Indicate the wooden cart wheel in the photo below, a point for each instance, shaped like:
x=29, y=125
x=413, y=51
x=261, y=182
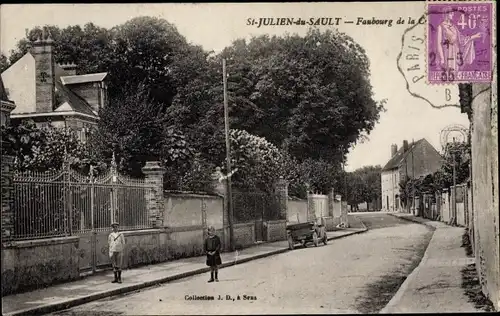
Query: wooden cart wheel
x=291, y=245
x=315, y=239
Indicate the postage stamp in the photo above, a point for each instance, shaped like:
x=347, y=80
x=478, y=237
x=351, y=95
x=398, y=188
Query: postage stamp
x=459, y=42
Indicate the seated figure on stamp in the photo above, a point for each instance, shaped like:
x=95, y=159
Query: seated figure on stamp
x=455, y=50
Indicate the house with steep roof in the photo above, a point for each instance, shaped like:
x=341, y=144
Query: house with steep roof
x=414, y=160
x=50, y=93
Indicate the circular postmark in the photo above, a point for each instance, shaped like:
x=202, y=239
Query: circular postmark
x=454, y=133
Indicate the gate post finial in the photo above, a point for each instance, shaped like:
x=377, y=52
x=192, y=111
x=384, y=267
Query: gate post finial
x=113, y=162
x=65, y=163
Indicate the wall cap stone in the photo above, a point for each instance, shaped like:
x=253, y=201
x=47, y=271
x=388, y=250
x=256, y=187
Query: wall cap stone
x=250, y=224
x=188, y=195
x=321, y=196
x=127, y=233
x=276, y=221
x=40, y=242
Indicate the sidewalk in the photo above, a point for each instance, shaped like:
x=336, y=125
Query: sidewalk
x=435, y=285
x=95, y=287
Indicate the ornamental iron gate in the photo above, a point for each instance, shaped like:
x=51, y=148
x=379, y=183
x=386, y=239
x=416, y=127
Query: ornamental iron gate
x=67, y=203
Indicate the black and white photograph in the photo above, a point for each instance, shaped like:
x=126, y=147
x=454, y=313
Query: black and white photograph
x=249, y=158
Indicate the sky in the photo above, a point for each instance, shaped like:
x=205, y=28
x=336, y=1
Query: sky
x=215, y=26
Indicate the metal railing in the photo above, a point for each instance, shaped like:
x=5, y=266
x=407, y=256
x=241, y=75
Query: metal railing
x=255, y=206
x=64, y=203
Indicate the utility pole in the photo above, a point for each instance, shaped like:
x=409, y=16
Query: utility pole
x=228, y=159
x=454, y=218
x=413, y=176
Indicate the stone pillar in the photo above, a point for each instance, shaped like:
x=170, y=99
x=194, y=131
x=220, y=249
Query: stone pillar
x=7, y=190
x=155, y=200
x=282, y=195
x=343, y=214
x=7, y=169
x=331, y=203
x=311, y=209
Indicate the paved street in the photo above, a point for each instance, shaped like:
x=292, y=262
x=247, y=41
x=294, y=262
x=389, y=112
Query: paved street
x=356, y=274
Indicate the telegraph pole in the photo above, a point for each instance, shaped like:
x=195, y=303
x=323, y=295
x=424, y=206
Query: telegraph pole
x=413, y=180
x=228, y=160
x=454, y=218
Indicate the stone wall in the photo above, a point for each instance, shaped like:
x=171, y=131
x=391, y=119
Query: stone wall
x=297, y=211
x=32, y=264
x=320, y=205
x=331, y=223
x=185, y=243
x=484, y=145
x=276, y=230
x=244, y=235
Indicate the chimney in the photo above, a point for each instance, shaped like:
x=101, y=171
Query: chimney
x=405, y=145
x=42, y=51
x=69, y=69
x=394, y=150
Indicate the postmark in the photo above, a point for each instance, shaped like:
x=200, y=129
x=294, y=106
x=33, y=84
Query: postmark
x=411, y=63
x=459, y=42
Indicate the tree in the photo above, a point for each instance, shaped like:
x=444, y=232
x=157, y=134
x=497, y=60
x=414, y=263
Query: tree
x=311, y=100
x=320, y=175
x=89, y=48
x=134, y=129
x=4, y=63
x=364, y=185
x=257, y=164
x=143, y=50
x=458, y=155
x=356, y=189
x=46, y=148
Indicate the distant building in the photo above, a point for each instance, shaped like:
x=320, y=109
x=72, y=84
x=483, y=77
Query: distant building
x=51, y=93
x=414, y=160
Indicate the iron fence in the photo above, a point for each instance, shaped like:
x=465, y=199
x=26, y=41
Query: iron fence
x=250, y=206
x=62, y=203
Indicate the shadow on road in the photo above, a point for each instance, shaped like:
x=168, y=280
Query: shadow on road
x=86, y=313
x=470, y=281
x=377, y=220
x=378, y=294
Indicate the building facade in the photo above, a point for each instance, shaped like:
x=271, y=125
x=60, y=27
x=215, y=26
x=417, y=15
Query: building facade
x=50, y=93
x=414, y=160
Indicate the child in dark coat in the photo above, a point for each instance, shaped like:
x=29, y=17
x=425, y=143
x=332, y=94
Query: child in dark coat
x=212, y=248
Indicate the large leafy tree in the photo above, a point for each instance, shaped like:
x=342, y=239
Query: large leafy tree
x=134, y=129
x=257, y=163
x=89, y=47
x=309, y=95
x=143, y=50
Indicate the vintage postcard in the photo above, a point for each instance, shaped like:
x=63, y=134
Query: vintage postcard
x=249, y=158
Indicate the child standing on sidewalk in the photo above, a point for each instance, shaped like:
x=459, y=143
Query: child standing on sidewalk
x=212, y=248
x=116, y=242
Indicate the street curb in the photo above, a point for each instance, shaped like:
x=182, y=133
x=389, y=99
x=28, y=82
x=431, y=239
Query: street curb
x=413, y=221
x=412, y=276
x=131, y=288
